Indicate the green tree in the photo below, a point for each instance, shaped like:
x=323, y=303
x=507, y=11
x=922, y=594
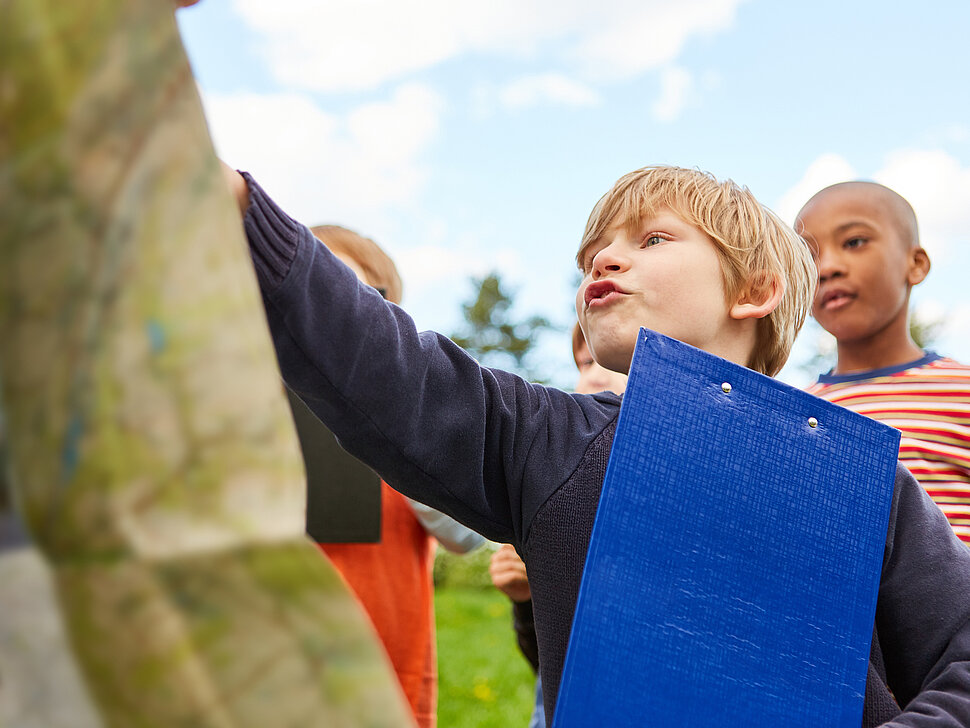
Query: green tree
x=924, y=331
x=493, y=336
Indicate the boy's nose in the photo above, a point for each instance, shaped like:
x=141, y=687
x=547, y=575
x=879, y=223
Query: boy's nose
x=608, y=260
x=830, y=265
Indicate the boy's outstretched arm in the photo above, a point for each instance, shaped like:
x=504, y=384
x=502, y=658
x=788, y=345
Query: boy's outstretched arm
x=472, y=442
x=923, y=612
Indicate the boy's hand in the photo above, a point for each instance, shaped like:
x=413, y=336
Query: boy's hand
x=236, y=184
x=508, y=574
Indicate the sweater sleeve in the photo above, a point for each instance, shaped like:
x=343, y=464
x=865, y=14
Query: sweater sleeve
x=923, y=613
x=481, y=445
x=446, y=530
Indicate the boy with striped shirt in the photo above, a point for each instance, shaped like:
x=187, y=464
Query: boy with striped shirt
x=865, y=241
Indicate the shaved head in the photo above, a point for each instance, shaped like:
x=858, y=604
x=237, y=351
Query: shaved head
x=865, y=243
x=890, y=206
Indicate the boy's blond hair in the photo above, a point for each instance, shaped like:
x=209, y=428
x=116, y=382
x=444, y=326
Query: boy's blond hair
x=753, y=244
x=377, y=265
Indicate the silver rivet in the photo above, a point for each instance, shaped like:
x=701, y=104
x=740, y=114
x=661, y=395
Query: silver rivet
x=812, y=422
x=726, y=387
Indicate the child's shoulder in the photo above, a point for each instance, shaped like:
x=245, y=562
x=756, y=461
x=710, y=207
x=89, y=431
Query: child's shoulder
x=930, y=368
x=947, y=367
x=937, y=373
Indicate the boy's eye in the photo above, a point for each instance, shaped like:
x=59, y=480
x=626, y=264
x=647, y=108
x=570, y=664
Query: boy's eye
x=652, y=239
x=854, y=243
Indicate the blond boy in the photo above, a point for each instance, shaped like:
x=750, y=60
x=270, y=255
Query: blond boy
x=667, y=248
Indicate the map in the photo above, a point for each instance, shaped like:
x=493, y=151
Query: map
x=153, y=454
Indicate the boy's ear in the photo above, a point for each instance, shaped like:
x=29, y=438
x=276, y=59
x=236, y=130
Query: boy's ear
x=919, y=266
x=759, y=297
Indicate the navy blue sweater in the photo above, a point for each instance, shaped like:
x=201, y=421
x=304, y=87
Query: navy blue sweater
x=524, y=464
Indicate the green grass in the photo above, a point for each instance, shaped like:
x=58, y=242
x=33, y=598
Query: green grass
x=484, y=681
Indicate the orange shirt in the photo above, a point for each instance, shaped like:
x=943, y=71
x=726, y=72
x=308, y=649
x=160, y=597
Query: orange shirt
x=393, y=581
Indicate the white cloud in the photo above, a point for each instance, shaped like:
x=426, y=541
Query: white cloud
x=543, y=88
x=675, y=88
x=425, y=265
x=437, y=278
x=953, y=336
x=936, y=184
x=629, y=37
x=326, y=167
x=828, y=169
x=359, y=44
x=938, y=188
x=412, y=113
x=955, y=340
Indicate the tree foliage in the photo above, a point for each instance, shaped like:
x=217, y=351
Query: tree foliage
x=492, y=334
x=924, y=331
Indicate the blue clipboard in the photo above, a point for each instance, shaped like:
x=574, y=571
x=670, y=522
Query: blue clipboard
x=734, y=565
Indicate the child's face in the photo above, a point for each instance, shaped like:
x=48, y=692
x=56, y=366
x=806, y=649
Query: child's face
x=352, y=263
x=864, y=262
x=665, y=276
x=593, y=378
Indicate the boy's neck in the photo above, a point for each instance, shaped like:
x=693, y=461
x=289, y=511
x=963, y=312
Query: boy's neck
x=889, y=346
x=875, y=353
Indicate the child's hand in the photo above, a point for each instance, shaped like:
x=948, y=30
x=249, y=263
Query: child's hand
x=236, y=183
x=508, y=574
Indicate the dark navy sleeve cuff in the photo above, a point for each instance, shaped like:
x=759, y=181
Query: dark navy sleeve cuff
x=273, y=236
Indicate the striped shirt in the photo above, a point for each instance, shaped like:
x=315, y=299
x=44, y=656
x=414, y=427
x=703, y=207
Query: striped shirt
x=928, y=401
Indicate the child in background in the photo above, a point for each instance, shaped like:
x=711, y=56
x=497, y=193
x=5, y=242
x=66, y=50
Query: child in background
x=393, y=578
x=671, y=249
x=865, y=241
x=506, y=568
x=592, y=377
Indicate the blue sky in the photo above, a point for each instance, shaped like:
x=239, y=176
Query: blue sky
x=467, y=138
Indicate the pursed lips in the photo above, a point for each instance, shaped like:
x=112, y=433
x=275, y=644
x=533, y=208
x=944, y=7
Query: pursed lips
x=835, y=298
x=601, y=292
